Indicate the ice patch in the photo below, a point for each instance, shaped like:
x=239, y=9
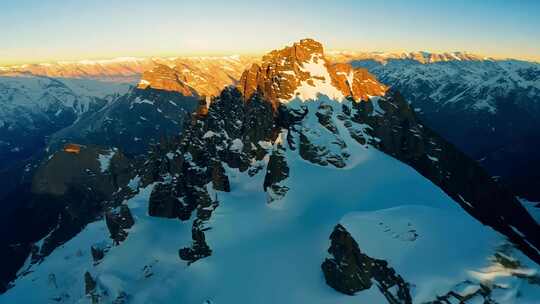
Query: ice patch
x=105, y=160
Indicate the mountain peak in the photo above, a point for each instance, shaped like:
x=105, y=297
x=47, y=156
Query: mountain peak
x=303, y=71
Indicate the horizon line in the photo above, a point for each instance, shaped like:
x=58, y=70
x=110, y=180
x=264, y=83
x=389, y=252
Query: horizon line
x=218, y=54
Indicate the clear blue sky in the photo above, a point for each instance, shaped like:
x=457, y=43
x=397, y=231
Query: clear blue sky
x=39, y=30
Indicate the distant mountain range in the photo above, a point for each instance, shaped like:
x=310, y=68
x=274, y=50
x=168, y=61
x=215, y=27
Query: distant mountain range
x=489, y=108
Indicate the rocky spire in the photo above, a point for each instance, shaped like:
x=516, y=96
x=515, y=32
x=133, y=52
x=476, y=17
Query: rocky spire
x=302, y=71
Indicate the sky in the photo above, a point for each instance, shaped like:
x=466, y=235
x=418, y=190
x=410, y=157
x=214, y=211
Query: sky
x=52, y=30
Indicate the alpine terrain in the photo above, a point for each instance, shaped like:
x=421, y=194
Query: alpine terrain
x=489, y=108
x=300, y=180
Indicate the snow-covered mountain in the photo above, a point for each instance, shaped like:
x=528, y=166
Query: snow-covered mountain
x=309, y=182
x=489, y=108
x=32, y=108
x=40, y=99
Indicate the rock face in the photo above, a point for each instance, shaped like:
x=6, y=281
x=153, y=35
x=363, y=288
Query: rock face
x=276, y=172
x=355, y=82
x=68, y=191
x=118, y=220
x=89, y=284
x=98, y=253
x=297, y=70
x=348, y=270
x=220, y=181
x=163, y=202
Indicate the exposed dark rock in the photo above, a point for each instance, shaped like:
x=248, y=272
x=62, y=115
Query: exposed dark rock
x=118, y=221
x=220, y=181
x=324, y=115
x=90, y=284
x=199, y=248
x=276, y=172
x=163, y=202
x=122, y=298
x=70, y=190
x=349, y=271
x=281, y=73
x=98, y=253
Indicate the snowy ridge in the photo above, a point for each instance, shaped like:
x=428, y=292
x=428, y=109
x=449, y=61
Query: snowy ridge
x=394, y=214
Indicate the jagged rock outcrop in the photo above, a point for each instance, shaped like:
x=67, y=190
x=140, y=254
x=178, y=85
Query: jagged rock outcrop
x=118, y=220
x=276, y=172
x=163, y=202
x=302, y=68
x=355, y=82
x=90, y=288
x=199, y=248
x=220, y=181
x=349, y=271
x=89, y=284
x=97, y=252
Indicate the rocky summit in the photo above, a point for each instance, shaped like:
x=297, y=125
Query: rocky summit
x=302, y=71
x=306, y=182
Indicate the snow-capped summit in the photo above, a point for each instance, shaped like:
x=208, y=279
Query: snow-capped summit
x=302, y=71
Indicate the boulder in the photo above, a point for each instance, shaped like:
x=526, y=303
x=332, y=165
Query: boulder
x=349, y=271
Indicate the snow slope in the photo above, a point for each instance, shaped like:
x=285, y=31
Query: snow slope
x=271, y=252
